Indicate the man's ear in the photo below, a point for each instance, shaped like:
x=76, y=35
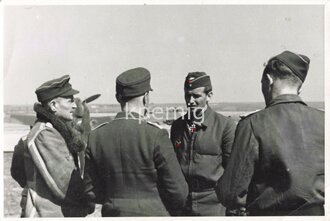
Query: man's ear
x=209, y=96
x=146, y=98
x=119, y=98
x=300, y=89
x=52, y=105
x=270, y=79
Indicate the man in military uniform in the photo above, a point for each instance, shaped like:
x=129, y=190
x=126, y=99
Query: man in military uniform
x=46, y=163
x=202, y=140
x=277, y=163
x=131, y=167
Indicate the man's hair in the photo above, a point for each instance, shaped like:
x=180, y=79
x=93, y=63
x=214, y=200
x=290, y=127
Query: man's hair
x=45, y=104
x=124, y=99
x=279, y=70
x=207, y=89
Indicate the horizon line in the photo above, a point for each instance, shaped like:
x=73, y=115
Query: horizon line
x=230, y=102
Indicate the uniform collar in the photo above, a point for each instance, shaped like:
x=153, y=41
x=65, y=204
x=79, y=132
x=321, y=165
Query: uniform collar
x=286, y=98
x=208, y=119
x=129, y=115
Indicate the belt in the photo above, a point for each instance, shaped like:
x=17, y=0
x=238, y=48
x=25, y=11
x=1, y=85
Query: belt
x=200, y=186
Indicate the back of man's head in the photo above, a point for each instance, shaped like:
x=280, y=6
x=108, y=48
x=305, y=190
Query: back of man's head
x=280, y=71
x=132, y=84
x=288, y=67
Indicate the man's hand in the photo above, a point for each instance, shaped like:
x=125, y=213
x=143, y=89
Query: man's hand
x=90, y=202
x=237, y=212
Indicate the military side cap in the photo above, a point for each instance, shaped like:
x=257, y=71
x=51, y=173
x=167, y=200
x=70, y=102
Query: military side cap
x=59, y=87
x=133, y=82
x=297, y=63
x=197, y=79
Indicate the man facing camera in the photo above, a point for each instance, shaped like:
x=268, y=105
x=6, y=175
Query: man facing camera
x=202, y=141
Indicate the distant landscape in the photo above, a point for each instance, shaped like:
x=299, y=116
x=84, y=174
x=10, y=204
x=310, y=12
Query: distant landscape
x=18, y=118
x=224, y=107
x=113, y=108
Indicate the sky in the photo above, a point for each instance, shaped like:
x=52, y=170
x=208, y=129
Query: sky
x=94, y=44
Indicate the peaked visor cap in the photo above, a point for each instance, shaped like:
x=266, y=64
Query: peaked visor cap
x=59, y=87
x=133, y=82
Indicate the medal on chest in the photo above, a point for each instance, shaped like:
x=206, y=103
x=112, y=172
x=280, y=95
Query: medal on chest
x=178, y=144
x=192, y=128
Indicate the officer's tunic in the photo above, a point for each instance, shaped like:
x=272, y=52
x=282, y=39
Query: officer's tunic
x=132, y=170
x=202, y=156
x=278, y=161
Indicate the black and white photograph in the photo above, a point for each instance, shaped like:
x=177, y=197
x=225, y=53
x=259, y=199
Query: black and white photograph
x=164, y=110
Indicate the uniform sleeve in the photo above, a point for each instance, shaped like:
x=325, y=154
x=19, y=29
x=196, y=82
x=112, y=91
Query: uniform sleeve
x=173, y=132
x=17, y=164
x=56, y=165
x=233, y=185
x=172, y=184
x=227, y=141
x=93, y=182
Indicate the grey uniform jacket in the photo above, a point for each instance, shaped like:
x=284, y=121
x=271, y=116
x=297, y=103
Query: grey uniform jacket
x=132, y=170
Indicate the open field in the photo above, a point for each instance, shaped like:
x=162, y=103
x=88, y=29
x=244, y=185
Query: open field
x=12, y=191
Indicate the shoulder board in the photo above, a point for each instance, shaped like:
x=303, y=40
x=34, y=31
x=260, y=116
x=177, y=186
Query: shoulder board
x=245, y=115
x=41, y=126
x=155, y=125
x=36, y=130
x=101, y=125
x=24, y=138
x=48, y=124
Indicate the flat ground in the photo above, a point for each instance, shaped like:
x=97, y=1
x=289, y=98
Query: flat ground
x=12, y=191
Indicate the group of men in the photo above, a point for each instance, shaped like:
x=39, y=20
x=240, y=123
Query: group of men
x=272, y=163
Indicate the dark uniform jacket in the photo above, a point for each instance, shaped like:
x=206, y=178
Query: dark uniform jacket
x=132, y=170
x=203, y=156
x=278, y=161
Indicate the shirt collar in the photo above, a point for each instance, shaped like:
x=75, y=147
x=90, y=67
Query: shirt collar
x=129, y=115
x=208, y=117
x=207, y=120
x=286, y=98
